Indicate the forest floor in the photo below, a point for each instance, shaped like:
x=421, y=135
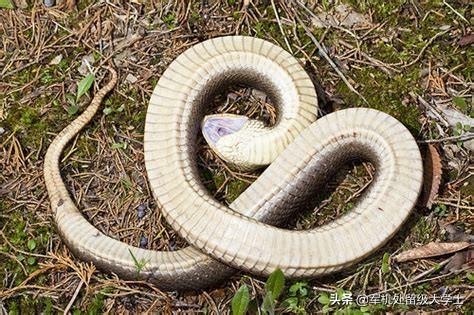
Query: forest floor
x=411, y=59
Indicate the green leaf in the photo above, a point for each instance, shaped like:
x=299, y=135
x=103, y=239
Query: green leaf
x=340, y=293
x=292, y=302
x=31, y=244
x=6, y=4
x=275, y=283
x=325, y=309
x=31, y=261
x=138, y=264
x=120, y=109
x=72, y=110
x=84, y=86
x=119, y=145
x=460, y=103
x=268, y=305
x=385, y=263
x=470, y=277
x=240, y=301
x=108, y=110
x=324, y=299
x=299, y=287
x=70, y=99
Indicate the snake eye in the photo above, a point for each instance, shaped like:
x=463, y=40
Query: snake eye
x=215, y=127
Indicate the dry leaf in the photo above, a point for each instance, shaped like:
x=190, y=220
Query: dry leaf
x=457, y=234
x=342, y=15
x=431, y=250
x=466, y=40
x=432, y=172
x=461, y=260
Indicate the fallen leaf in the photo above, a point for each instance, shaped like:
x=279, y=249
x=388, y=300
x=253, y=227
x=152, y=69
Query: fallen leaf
x=56, y=60
x=466, y=40
x=454, y=116
x=131, y=78
x=86, y=60
x=432, y=249
x=461, y=260
x=432, y=171
x=457, y=234
x=342, y=15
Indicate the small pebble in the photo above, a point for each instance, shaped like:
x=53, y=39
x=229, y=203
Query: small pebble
x=141, y=211
x=131, y=78
x=143, y=241
x=49, y=3
x=2, y=131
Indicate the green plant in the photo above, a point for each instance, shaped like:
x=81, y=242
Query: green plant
x=83, y=86
x=240, y=301
x=440, y=210
x=119, y=145
x=170, y=20
x=6, y=4
x=297, y=298
x=139, y=265
x=460, y=103
x=273, y=287
x=110, y=110
x=386, y=263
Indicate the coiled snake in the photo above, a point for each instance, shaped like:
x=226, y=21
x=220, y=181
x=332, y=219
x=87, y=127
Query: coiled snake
x=303, y=153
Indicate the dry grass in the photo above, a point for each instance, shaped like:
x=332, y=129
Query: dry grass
x=398, y=52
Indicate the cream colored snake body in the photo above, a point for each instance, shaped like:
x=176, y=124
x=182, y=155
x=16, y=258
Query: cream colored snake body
x=242, y=236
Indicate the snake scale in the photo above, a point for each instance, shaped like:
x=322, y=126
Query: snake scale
x=302, y=152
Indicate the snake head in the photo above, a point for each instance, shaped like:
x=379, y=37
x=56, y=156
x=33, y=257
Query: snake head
x=227, y=136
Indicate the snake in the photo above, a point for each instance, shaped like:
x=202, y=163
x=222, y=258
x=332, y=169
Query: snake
x=302, y=152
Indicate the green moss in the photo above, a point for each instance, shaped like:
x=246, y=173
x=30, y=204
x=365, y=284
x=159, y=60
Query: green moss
x=234, y=189
x=385, y=93
x=381, y=9
x=28, y=305
x=17, y=231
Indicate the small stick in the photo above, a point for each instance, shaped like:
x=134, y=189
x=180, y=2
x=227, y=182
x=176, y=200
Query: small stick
x=429, y=108
x=281, y=27
x=456, y=12
x=464, y=137
x=424, y=48
x=69, y=305
x=434, y=268
x=329, y=60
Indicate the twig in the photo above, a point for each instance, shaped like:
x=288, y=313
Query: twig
x=69, y=305
x=424, y=48
x=281, y=27
x=456, y=12
x=430, y=108
x=434, y=268
x=463, y=137
x=329, y=60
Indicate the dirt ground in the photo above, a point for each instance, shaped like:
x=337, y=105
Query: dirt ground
x=412, y=59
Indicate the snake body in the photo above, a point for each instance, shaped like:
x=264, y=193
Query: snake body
x=242, y=235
